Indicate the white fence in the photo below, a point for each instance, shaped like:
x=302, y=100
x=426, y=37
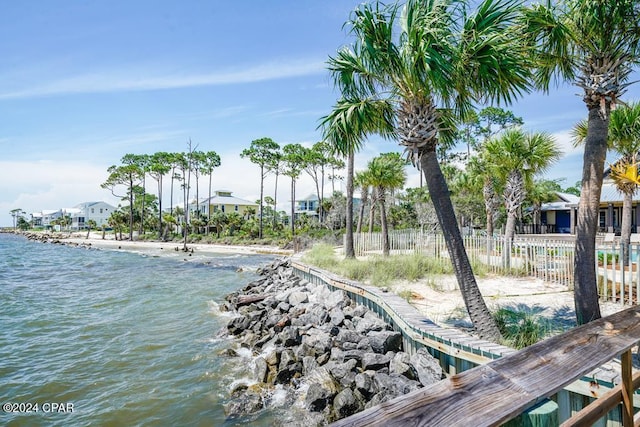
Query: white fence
x=548, y=259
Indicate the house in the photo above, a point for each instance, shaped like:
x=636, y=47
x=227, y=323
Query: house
x=558, y=216
x=224, y=201
x=96, y=211
x=79, y=214
x=307, y=206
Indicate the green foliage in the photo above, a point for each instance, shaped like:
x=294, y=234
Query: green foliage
x=378, y=270
x=520, y=329
x=607, y=258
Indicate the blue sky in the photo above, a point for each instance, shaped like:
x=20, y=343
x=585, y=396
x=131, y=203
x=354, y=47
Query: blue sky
x=83, y=83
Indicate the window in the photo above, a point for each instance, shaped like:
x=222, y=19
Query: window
x=93, y=210
x=101, y=210
x=235, y=208
x=222, y=208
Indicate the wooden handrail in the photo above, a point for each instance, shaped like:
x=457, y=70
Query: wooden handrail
x=599, y=408
x=494, y=393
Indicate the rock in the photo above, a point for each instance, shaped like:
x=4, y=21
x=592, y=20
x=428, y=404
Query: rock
x=284, y=307
x=348, y=336
x=370, y=322
x=322, y=388
x=345, y=403
x=320, y=341
x=426, y=366
x=309, y=364
x=261, y=370
x=335, y=299
x=375, y=361
x=354, y=355
x=237, y=325
x=243, y=404
x=400, y=364
x=297, y=298
x=290, y=336
x=384, y=341
x=364, y=384
x=228, y=352
x=340, y=370
x=337, y=316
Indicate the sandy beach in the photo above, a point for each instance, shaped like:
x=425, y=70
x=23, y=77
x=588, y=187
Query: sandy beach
x=95, y=241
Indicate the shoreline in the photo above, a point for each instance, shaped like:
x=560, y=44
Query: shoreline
x=95, y=241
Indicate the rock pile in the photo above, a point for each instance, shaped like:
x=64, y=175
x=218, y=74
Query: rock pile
x=337, y=358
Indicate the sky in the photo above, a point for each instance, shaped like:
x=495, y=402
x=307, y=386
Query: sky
x=84, y=83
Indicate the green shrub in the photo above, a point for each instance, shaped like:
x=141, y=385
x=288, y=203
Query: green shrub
x=520, y=329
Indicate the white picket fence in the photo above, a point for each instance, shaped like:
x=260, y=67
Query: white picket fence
x=547, y=259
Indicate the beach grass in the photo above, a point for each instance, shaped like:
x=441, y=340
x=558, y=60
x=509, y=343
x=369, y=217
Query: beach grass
x=376, y=269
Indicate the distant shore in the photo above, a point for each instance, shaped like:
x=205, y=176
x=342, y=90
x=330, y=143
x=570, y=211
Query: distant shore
x=95, y=240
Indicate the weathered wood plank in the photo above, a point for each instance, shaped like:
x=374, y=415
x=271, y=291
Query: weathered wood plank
x=494, y=393
x=600, y=407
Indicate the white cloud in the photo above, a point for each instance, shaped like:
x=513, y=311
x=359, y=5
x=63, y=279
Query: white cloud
x=36, y=185
x=136, y=80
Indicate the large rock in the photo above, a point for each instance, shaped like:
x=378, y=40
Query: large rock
x=261, y=370
x=384, y=341
x=322, y=389
x=375, y=361
x=237, y=325
x=426, y=366
x=297, y=298
x=370, y=322
x=243, y=403
x=346, y=403
x=401, y=365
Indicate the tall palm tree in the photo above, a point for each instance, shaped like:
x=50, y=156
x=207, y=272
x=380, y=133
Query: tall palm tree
x=361, y=179
x=593, y=44
x=623, y=137
x=346, y=128
x=444, y=59
x=386, y=173
x=516, y=157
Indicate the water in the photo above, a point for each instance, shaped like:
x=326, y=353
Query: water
x=125, y=338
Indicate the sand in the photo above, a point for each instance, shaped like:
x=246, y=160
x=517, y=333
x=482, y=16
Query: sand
x=95, y=241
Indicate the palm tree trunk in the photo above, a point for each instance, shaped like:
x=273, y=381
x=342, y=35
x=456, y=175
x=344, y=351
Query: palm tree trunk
x=349, y=250
x=383, y=224
x=293, y=207
x=584, y=278
x=372, y=211
x=484, y=324
x=625, y=227
x=363, y=201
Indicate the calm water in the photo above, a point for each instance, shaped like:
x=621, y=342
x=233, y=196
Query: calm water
x=127, y=339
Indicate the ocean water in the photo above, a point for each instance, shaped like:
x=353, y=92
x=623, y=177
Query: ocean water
x=113, y=338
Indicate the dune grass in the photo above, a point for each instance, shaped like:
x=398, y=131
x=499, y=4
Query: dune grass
x=378, y=270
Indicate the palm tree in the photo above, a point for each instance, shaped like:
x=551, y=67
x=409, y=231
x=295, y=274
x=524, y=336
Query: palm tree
x=386, y=172
x=516, y=156
x=345, y=128
x=593, y=44
x=361, y=179
x=623, y=137
x=90, y=224
x=211, y=161
x=444, y=59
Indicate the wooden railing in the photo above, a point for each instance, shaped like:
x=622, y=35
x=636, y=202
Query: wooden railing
x=494, y=393
x=487, y=383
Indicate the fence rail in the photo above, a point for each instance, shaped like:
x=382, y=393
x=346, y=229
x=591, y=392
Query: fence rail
x=544, y=258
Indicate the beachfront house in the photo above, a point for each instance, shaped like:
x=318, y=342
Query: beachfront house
x=307, y=206
x=559, y=215
x=79, y=215
x=223, y=201
x=96, y=211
